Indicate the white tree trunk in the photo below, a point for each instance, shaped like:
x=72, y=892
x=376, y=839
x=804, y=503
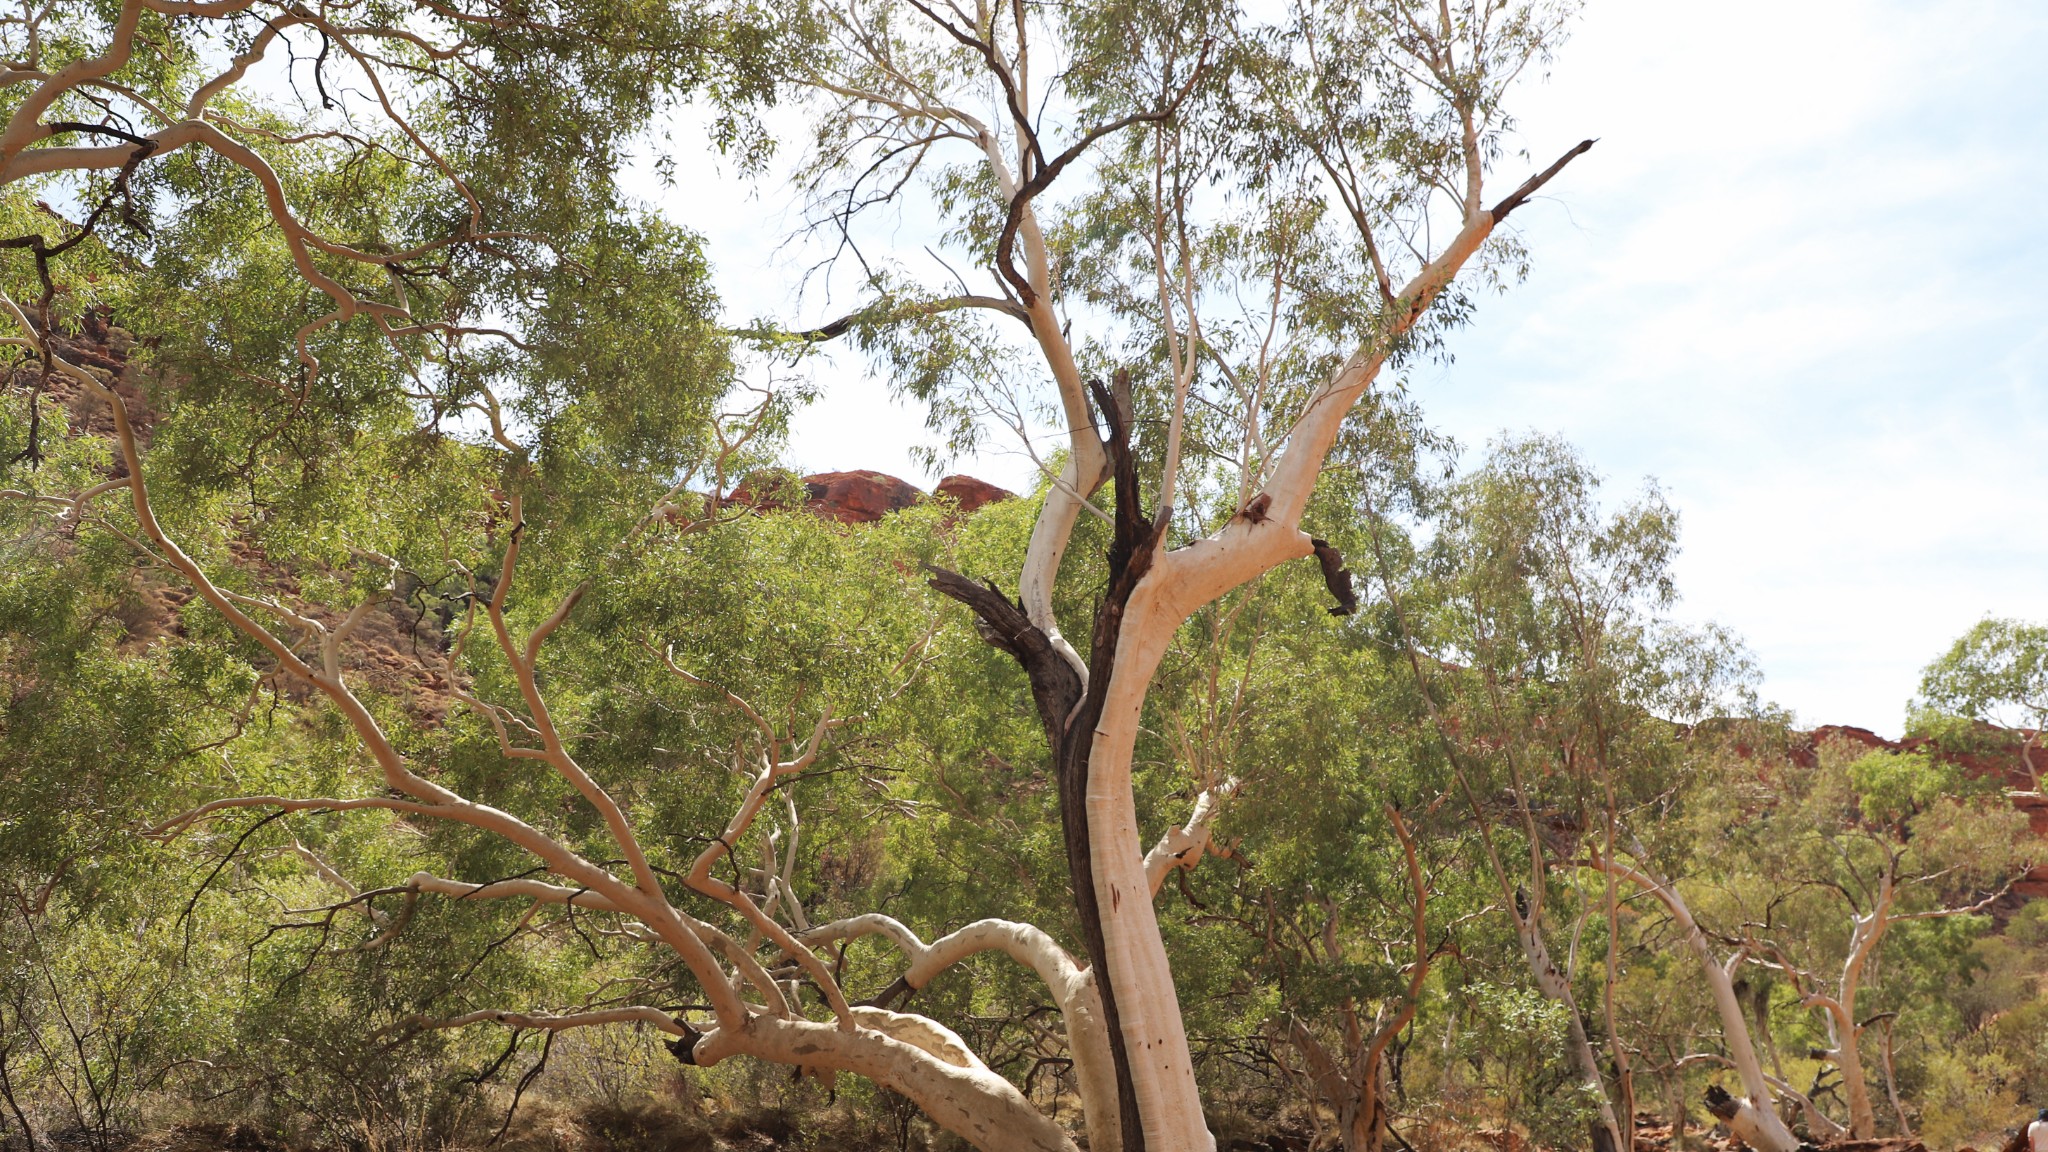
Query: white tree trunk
x=1081, y=475
x=1094, y=1068
x=1148, y=1006
x=1758, y=1127
x=1849, y=1055
x=1863, y=941
x=1554, y=986
x=1767, y=1131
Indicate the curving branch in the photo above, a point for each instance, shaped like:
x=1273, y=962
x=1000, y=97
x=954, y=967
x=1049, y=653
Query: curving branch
x=1073, y=988
x=885, y=311
x=1184, y=847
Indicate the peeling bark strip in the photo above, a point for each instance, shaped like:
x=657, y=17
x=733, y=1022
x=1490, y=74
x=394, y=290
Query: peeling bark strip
x=685, y=1049
x=1133, y=544
x=1336, y=577
x=1068, y=713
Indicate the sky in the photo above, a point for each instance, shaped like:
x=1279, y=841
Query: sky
x=1799, y=283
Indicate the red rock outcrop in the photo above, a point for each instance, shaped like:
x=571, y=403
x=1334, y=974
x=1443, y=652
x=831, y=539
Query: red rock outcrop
x=97, y=343
x=765, y=488
x=858, y=497
x=972, y=494
x=2006, y=767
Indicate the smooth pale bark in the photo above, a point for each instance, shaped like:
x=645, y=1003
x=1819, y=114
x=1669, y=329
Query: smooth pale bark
x=966, y=1099
x=1179, y=583
x=1183, y=847
x=1552, y=983
x=1136, y=622
x=1087, y=464
x=1148, y=1006
x=1073, y=990
x=1766, y=1130
x=1769, y=1132
x=1840, y=1009
x=962, y=1097
x=1094, y=1066
x=917, y=1057
x=925, y=1035
x=1064, y=500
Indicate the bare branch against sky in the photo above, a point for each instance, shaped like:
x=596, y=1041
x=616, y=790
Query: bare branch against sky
x=1794, y=285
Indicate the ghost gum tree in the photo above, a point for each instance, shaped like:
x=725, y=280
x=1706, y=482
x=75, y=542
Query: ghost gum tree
x=1537, y=628
x=1867, y=848
x=1239, y=225
x=421, y=346
x=418, y=265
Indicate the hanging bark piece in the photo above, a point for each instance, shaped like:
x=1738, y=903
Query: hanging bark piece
x=1336, y=577
x=1744, y=1118
x=685, y=1048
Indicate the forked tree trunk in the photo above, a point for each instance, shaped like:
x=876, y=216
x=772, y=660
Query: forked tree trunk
x=1754, y=1118
x=1092, y=726
x=1370, y=1121
x=1868, y=932
x=1356, y=1096
x=1356, y=1089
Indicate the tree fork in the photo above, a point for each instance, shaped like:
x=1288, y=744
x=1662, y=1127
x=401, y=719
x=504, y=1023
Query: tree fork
x=1069, y=714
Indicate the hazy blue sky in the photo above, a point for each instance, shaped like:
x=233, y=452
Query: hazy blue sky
x=1799, y=282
